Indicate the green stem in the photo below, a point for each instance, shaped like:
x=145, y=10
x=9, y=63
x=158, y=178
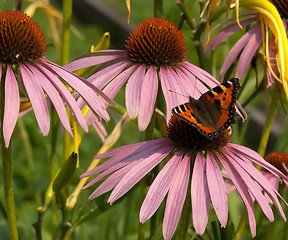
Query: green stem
x=185, y=219
x=238, y=233
x=7, y=169
x=67, y=13
x=158, y=8
x=268, y=123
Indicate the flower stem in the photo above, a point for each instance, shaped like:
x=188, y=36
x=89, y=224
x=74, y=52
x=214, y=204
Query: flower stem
x=67, y=13
x=241, y=225
x=7, y=169
x=158, y=8
x=185, y=219
x=268, y=123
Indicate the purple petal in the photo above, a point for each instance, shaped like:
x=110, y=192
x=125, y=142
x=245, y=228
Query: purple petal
x=176, y=198
x=133, y=91
x=54, y=97
x=200, y=195
x=37, y=98
x=148, y=97
x=217, y=189
x=159, y=187
x=12, y=103
x=243, y=192
x=66, y=95
x=138, y=172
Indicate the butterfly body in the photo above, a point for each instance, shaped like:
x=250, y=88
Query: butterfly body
x=213, y=112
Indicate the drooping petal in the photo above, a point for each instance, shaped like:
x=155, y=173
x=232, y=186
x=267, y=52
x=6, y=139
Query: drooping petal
x=251, y=185
x=117, y=163
x=81, y=86
x=54, y=97
x=148, y=97
x=261, y=180
x=243, y=192
x=200, y=198
x=159, y=187
x=249, y=52
x=256, y=158
x=176, y=198
x=138, y=172
x=37, y=98
x=225, y=33
x=217, y=189
x=12, y=103
x=66, y=95
x=133, y=91
x=84, y=62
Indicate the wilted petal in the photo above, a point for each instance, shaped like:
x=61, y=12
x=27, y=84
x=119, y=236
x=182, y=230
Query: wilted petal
x=200, y=198
x=12, y=103
x=159, y=188
x=148, y=97
x=37, y=98
x=176, y=198
x=217, y=189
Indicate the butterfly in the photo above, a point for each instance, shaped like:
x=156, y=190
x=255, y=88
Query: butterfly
x=214, y=111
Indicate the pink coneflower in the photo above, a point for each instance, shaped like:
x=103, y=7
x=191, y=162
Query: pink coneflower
x=155, y=52
x=22, y=51
x=184, y=149
x=262, y=23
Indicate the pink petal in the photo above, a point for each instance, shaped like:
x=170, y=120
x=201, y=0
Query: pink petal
x=116, y=163
x=225, y=33
x=159, y=187
x=12, y=103
x=80, y=85
x=148, y=97
x=107, y=72
x=200, y=195
x=91, y=61
x=133, y=91
x=243, y=192
x=176, y=198
x=237, y=48
x=138, y=172
x=242, y=170
x=66, y=95
x=217, y=189
x=249, y=52
x=37, y=98
x=54, y=97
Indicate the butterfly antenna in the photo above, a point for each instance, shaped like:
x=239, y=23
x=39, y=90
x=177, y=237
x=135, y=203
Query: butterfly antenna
x=177, y=93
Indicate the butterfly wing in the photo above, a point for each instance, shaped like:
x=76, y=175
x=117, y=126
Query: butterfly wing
x=214, y=111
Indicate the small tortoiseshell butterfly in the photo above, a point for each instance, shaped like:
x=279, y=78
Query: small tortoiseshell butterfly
x=213, y=112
